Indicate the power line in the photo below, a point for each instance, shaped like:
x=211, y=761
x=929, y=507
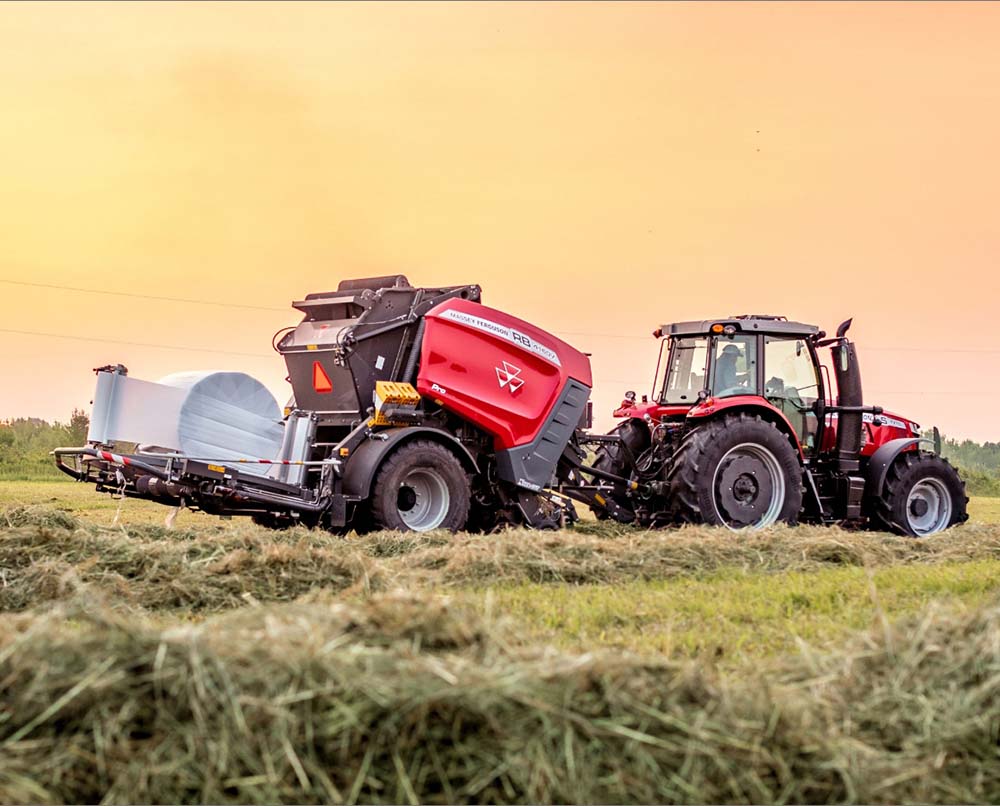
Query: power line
x=649, y=339
x=129, y=343
x=864, y=349
x=578, y=334
x=53, y=286
x=927, y=350
x=190, y=301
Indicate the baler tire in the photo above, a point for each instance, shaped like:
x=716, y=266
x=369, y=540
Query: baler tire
x=706, y=450
x=433, y=477
x=918, y=475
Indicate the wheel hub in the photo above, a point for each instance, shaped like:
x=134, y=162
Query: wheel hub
x=423, y=499
x=928, y=506
x=406, y=499
x=745, y=489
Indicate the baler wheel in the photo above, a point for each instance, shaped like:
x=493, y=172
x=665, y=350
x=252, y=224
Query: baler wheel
x=739, y=471
x=923, y=494
x=421, y=486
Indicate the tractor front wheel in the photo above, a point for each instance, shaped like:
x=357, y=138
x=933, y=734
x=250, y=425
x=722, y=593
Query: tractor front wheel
x=421, y=486
x=923, y=494
x=739, y=472
x=614, y=458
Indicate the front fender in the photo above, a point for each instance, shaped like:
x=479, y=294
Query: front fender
x=363, y=464
x=881, y=461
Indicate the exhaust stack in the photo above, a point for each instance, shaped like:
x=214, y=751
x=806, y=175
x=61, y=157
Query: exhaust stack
x=845, y=367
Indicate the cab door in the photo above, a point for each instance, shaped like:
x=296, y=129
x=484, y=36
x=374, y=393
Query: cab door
x=792, y=385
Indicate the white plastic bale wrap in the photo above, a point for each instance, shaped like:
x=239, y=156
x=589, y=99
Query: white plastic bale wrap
x=210, y=415
x=227, y=415
x=131, y=410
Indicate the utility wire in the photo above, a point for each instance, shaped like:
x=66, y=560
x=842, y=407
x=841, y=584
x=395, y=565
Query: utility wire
x=52, y=286
x=130, y=343
x=579, y=334
x=189, y=301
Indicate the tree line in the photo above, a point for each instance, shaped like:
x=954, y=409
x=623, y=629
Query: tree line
x=25, y=444
x=978, y=463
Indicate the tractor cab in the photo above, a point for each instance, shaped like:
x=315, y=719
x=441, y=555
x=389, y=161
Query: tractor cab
x=721, y=363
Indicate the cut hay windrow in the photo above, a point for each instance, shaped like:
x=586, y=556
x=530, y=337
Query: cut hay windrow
x=191, y=571
x=407, y=698
x=46, y=555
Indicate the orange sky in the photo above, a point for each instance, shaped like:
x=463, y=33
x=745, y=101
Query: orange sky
x=597, y=168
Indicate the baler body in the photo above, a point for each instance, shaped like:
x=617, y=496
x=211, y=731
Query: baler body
x=500, y=396
x=518, y=383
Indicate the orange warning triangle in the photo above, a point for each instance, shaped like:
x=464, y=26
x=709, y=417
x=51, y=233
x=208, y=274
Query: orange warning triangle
x=321, y=381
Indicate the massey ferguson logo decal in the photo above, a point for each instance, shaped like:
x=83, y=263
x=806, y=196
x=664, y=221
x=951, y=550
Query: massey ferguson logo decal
x=509, y=376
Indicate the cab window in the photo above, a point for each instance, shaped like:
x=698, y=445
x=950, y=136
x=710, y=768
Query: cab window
x=791, y=384
x=734, y=366
x=686, y=371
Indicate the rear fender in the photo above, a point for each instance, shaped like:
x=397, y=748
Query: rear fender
x=882, y=459
x=751, y=404
x=363, y=464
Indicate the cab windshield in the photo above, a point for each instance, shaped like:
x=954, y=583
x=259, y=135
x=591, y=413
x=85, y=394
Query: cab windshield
x=685, y=370
x=722, y=366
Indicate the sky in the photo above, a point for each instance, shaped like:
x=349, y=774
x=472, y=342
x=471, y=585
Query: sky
x=597, y=168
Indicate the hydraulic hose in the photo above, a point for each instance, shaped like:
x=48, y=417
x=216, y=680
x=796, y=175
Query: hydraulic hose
x=410, y=370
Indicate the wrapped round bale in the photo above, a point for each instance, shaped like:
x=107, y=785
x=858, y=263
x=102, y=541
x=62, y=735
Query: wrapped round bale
x=226, y=415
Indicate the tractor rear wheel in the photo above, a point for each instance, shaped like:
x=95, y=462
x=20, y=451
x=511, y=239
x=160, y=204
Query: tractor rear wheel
x=923, y=494
x=421, y=486
x=739, y=471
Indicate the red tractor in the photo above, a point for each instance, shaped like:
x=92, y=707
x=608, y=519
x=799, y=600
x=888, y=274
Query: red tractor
x=745, y=429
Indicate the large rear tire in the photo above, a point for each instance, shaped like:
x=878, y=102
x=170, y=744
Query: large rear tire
x=923, y=494
x=738, y=471
x=421, y=486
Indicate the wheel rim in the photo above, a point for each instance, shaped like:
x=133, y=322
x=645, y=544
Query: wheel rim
x=928, y=507
x=748, y=487
x=423, y=499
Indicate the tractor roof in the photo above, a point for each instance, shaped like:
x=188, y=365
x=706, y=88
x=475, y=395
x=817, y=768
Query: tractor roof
x=749, y=323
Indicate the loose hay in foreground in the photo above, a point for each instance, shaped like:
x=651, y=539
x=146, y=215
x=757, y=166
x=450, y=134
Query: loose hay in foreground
x=411, y=698
x=46, y=555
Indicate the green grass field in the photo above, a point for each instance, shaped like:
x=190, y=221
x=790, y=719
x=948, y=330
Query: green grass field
x=596, y=664
x=728, y=614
